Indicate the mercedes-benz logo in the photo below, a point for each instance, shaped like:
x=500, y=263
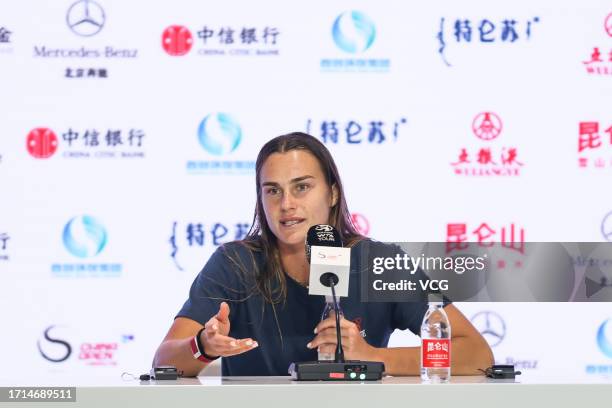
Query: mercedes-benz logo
x=85, y=18
x=606, y=227
x=491, y=326
x=608, y=24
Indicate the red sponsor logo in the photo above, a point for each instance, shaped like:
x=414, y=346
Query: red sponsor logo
x=98, y=353
x=177, y=40
x=436, y=353
x=510, y=237
x=487, y=160
x=41, y=143
x=600, y=60
x=487, y=126
x=599, y=64
x=361, y=223
x=591, y=142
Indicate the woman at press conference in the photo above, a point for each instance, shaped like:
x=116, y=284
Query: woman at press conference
x=250, y=303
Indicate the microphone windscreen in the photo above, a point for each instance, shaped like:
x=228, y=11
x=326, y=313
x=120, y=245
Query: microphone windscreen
x=322, y=235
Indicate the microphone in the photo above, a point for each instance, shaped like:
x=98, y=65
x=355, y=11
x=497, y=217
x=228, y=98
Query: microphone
x=330, y=268
x=324, y=235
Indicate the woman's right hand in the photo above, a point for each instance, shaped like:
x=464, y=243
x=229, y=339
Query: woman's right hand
x=215, y=337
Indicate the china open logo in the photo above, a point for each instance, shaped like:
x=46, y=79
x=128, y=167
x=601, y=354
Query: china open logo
x=608, y=24
x=487, y=126
x=53, y=349
x=41, y=143
x=177, y=40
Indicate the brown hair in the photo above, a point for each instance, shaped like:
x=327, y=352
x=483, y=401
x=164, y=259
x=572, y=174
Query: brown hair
x=270, y=280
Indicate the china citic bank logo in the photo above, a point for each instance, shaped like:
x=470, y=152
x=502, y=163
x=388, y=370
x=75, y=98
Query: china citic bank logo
x=603, y=341
x=353, y=32
x=84, y=236
x=177, y=40
x=85, y=18
x=487, y=126
x=219, y=134
x=41, y=143
x=361, y=223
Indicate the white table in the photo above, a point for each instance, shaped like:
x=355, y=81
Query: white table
x=252, y=392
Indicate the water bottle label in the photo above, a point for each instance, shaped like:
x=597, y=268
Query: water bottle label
x=435, y=353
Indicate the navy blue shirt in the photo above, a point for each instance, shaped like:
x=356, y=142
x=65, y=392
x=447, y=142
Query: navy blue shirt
x=283, y=332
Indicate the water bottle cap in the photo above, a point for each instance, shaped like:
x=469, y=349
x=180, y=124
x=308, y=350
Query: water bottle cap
x=435, y=299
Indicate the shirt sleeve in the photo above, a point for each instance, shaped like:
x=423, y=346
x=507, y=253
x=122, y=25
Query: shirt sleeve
x=409, y=315
x=218, y=281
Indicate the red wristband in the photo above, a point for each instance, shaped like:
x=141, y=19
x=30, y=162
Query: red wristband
x=197, y=354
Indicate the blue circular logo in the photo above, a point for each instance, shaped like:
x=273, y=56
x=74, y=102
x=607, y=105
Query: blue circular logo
x=491, y=325
x=219, y=134
x=602, y=341
x=84, y=236
x=353, y=32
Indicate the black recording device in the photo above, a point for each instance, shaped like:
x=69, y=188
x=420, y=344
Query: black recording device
x=501, y=372
x=339, y=369
x=164, y=373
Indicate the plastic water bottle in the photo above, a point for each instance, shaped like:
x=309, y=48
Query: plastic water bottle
x=435, y=345
x=327, y=311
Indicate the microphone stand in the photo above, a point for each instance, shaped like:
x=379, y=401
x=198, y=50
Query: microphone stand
x=339, y=355
x=339, y=369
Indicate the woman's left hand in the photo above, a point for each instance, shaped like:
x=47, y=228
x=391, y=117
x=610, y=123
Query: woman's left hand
x=353, y=345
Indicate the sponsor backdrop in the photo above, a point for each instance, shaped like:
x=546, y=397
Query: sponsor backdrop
x=129, y=130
